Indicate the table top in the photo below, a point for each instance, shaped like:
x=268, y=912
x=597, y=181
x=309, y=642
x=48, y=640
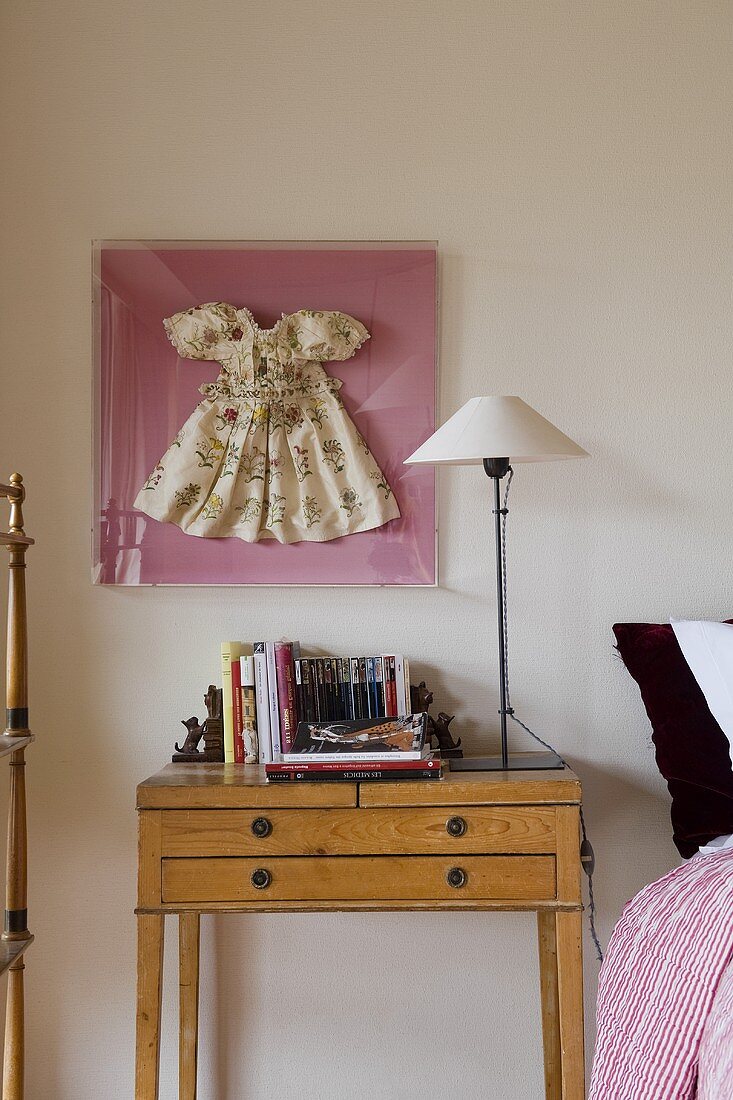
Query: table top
x=226, y=786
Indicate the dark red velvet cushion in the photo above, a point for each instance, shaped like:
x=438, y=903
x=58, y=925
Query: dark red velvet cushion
x=692, y=751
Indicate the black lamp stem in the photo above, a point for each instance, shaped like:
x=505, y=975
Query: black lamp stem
x=500, y=617
x=496, y=469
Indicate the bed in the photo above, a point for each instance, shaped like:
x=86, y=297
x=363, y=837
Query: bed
x=665, y=999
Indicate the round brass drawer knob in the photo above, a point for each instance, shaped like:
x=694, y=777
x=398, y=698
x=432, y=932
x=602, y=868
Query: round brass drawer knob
x=456, y=826
x=261, y=878
x=261, y=827
x=456, y=877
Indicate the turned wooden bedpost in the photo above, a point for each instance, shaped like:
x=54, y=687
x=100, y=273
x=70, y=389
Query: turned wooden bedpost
x=16, y=905
x=16, y=715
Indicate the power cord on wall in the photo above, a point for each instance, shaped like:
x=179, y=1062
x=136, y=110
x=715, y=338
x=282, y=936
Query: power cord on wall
x=587, y=856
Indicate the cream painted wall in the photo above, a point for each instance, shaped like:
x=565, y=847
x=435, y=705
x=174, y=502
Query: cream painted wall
x=570, y=159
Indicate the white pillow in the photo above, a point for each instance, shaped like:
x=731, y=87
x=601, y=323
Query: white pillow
x=708, y=650
x=718, y=845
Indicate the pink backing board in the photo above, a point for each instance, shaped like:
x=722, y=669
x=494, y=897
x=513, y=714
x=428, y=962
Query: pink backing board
x=145, y=392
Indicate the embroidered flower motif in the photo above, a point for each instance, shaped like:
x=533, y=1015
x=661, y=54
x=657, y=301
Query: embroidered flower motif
x=362, y=442
x=301, y=462
x=322, y=352
x=260, y=416
x=277, y=464
x=311, y=511
x=340, y=325
x=237, y=333
x=293, y=417
x=231, y=460
x=333, y=453
x=275, y=509
x=378, y=476
x=227, y=416
x=188, y=495
x=291, y=337
x=179, y=439
x=154, y=478
x=349, y=500
x=318, y=411
x=208, y=451
x=209, y=337
x=252, y=465
x=213, y=507
x=249, y=510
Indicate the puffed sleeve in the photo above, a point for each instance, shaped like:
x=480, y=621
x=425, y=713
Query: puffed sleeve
x=204, y=332
x=323, y=335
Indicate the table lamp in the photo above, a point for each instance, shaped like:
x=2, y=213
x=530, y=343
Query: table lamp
x=496, y=432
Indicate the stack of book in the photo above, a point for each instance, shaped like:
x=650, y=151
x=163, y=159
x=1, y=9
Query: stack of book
x=321, y=717
x=277, y=688
x=356, y=750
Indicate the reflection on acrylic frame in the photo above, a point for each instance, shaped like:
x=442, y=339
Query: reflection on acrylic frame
x=254, y=403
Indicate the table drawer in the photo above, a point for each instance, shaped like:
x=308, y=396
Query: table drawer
x=383, y=878
x=416, y=831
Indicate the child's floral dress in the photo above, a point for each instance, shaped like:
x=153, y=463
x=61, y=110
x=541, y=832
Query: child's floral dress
x=270, y=452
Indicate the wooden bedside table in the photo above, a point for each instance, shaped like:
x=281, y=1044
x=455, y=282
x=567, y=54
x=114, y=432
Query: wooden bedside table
x=220, y=838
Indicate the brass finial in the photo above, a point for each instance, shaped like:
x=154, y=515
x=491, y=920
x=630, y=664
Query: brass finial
x=16, y=502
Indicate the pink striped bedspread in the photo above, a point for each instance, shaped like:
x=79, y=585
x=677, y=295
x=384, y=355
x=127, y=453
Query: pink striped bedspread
x=665, y=999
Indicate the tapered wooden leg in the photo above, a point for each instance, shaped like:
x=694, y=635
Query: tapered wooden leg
x=570, y=1002
x=188, y=933
x=550, y=1010
x=149, y=992
x=13, y=1060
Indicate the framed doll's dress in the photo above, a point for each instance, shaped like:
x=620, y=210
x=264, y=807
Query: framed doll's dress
x=271, y=451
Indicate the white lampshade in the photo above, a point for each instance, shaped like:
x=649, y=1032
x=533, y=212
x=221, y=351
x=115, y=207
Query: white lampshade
x=495, y=427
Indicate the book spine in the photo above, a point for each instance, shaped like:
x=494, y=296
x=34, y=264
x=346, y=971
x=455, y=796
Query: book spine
x=309, y=706
x=341, y=757
x=287, y=703
x=385, y=765
x=408, y=693
x=262, y=703
x=249, y=711
x=237, y=710
x=340, y=674
x=363, y=688
x=299, y=700
x=390, y=692
x=321, y=715
x=399, y=668
x=346, y=687
x=338, y=712
x=356, y=775
x=273, y=700
x=327, y=693
x=371, y=688
x=355, y=695
x=379, y=687
x=366, y=688
x=229, y=653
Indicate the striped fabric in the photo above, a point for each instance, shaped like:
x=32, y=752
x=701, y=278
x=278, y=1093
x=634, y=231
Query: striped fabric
x=715, y=1079
x=665, y=961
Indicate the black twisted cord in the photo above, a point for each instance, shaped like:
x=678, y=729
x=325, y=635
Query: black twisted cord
x=586, y=849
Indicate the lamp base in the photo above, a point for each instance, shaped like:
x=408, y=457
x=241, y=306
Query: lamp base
x=517, y=761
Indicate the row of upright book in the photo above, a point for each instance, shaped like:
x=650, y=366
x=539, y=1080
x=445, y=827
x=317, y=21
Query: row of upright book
x=331, y=719
x=268, y=688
